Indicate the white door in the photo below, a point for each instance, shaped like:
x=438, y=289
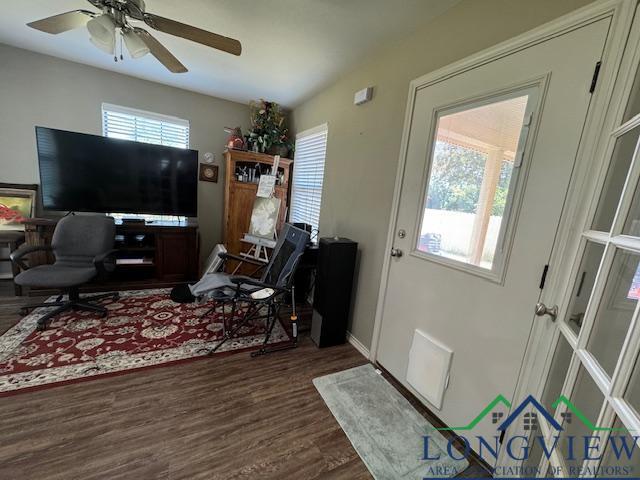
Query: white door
x=488, y=163
x=595, y=362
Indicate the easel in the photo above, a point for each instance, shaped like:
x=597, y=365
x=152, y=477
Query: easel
x=259, y=250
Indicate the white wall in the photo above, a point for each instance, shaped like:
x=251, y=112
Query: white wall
x=41, y=90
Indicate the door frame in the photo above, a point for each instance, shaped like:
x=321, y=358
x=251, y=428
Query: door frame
x=621, y=14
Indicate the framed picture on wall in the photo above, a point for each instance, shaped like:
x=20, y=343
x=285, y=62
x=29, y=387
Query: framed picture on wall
x=17, y=203
x=208, y=173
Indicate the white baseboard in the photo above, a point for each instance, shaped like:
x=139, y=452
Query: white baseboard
x=357, y=345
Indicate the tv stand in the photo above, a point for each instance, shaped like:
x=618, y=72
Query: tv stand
x=149, y=255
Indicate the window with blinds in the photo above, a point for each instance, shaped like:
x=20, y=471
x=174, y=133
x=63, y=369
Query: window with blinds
x=308, y=175
x=146, y=127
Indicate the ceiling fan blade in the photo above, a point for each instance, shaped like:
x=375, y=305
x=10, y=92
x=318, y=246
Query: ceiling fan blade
x=158, y=50
x=63, y=22
x=194, y=34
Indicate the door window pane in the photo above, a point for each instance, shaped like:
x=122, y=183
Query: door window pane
x=633, y=104
x=588, y=399
x=632, y=393
x=614, y=181
x=471, y=178
x=621, y=293
x=632, y=223
x=583, y=285
x=616, y=462
x=558, y=372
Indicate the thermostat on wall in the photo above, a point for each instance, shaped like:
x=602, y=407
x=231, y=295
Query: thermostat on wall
x=363, y=96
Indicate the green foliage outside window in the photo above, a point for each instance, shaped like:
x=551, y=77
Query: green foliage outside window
x=456, y=179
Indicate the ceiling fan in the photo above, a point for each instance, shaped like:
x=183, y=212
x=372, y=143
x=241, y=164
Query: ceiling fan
x=117, y=14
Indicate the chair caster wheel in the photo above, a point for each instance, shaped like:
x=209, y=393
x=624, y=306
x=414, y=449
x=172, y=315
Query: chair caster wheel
x=42, y=327
x=116, y=296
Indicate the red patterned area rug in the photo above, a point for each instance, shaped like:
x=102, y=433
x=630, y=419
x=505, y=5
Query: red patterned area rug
x=144, y=328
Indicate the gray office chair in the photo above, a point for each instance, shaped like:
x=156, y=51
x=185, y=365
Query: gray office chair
x=83, y=249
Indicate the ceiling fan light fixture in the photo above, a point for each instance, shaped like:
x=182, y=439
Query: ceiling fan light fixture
x=137, y=48
x=115, y=18
x=102, y=31
x=110, y=49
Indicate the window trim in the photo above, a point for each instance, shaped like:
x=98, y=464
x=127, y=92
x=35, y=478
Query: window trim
x=323, y=128
x=317, y=130
x=536, y=89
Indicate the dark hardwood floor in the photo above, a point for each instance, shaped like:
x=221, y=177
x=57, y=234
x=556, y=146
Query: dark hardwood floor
x=230, y=417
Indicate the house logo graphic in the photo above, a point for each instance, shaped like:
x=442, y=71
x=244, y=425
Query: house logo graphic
x=518, y=445
x=532, y=409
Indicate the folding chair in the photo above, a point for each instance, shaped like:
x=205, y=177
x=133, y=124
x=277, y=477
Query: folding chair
x=270, y=292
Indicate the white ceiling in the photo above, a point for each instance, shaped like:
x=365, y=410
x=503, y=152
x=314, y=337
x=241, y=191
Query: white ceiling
x=291, y=48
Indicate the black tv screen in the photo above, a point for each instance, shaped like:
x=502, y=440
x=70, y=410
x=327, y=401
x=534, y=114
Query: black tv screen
x=90, y=173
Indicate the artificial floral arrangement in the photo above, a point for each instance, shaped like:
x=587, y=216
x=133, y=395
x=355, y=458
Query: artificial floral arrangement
x=268, y=132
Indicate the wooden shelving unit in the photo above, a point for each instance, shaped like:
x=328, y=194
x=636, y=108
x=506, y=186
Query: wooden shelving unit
x=239, y=195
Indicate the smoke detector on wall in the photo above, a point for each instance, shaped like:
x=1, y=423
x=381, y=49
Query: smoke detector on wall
x=363, y=96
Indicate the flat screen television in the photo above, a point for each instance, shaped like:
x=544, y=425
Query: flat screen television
x=90, y=173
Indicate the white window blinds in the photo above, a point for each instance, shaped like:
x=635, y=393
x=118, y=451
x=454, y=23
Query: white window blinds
x=146, y=127
x=308, y=175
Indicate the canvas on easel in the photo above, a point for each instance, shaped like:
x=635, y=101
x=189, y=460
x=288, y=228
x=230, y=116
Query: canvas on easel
x=262, y=229
x=264, y=217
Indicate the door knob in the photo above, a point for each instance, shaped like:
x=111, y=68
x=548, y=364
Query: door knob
x=542, y=310
x=396, y=252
